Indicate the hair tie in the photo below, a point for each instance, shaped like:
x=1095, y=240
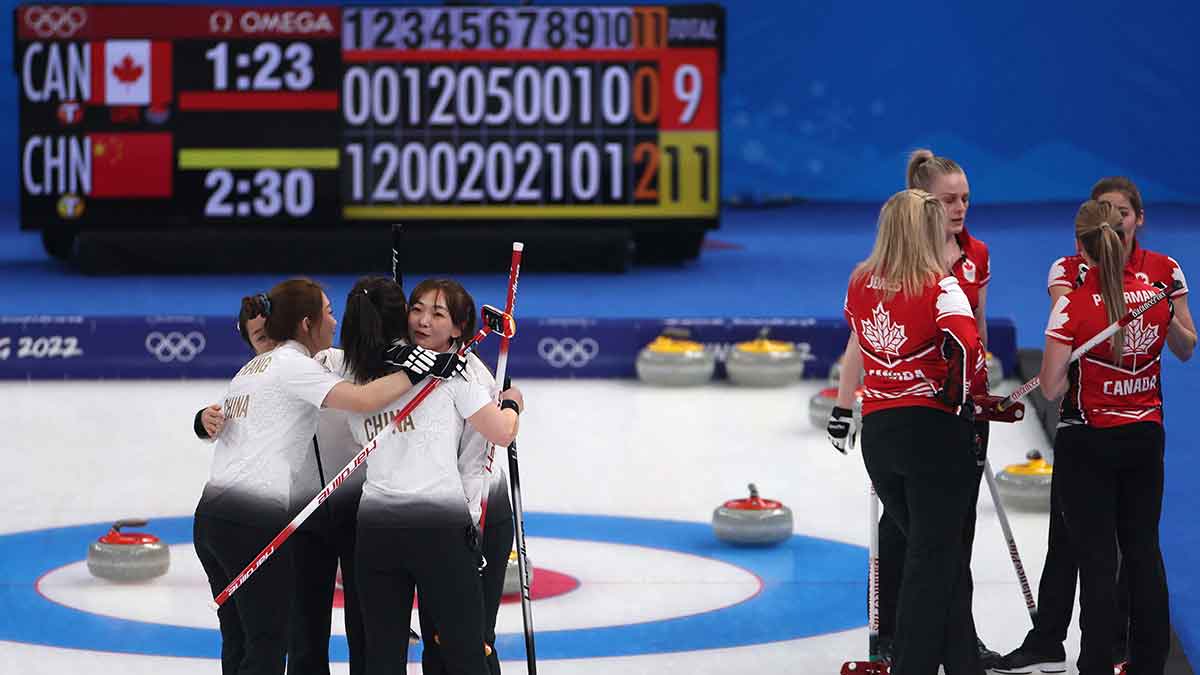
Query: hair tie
x=366, y=292
x=266, y=303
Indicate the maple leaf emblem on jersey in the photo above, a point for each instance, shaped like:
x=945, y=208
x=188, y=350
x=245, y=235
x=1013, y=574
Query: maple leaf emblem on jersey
x=127, y=70
x=1138, y=338
x=883, y=335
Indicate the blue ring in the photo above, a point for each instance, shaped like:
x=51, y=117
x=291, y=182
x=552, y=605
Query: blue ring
x=810, y=587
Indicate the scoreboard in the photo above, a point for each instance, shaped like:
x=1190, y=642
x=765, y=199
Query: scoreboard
x=164, y=117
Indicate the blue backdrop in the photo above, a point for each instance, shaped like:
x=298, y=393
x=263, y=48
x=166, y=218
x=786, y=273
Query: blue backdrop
x=825, y=99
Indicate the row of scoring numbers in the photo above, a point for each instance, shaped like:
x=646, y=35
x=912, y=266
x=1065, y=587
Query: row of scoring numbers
x=504, y=28
x=528, y=173
x=612, y=94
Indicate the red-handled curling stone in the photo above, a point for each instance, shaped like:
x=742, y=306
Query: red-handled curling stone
x=753, y=520
x=866, y=668
x=128, y=556
x=820, y=407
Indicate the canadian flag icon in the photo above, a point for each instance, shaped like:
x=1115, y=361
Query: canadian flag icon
x=131, y=72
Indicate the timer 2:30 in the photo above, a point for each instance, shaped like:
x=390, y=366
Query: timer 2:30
x=264, y=194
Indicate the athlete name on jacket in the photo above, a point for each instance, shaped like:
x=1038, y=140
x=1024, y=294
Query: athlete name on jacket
x=1132, y=297
x=904, y=375
x=237, y=406
x=377, y=423
x=880, y=284
x=258, y=364
x=1134, y=385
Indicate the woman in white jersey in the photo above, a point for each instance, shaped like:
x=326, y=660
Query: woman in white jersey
x=415, y=528
x=483, y=480
x=270, y=411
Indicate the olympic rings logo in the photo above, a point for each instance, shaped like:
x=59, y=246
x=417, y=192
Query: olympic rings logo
x=175, y=346
x=560, y=353
x=55, y=21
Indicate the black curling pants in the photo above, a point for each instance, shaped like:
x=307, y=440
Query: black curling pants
x=497, y=545
x=1111, y=485
x=1056, y=590
x=442, y=565
x=254, y=620
x=892, y=549
x=922, y=464
x=325, y=539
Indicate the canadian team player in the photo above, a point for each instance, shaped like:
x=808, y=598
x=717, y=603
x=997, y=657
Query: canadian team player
x=1043, y=645
x=917, y=334
x=270, y=411
x=1109, y=445
x=483, y=477
x=414, y=522
x=967, y=258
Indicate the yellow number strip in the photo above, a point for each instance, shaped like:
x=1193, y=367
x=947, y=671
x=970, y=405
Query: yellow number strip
x=502, y=211
x=258, y=158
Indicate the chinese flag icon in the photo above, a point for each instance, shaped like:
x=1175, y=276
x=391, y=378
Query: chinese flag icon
x=131, y=164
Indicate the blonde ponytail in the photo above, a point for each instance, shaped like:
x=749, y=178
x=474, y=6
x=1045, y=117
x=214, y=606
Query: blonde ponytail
x=924, y=167
x=1097, y=227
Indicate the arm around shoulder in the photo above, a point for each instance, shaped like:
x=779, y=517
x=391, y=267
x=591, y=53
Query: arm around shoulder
x=499, y=425
x=366, y=398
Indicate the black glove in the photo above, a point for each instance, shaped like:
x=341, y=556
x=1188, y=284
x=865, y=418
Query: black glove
x=447, y=365
x=416, y=362
x=839, y=428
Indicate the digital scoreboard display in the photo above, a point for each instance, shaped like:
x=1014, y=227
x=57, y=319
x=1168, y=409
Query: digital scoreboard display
x=210, y=116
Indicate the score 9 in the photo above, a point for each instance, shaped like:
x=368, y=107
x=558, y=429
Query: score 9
x=689, y=89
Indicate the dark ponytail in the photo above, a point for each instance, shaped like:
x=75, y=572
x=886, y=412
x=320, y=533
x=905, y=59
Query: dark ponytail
x=376, y=315
x=253, y=306
x=1098, y=229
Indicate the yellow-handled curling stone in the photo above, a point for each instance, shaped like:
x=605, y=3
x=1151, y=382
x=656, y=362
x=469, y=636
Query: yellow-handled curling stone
x=1026, y=485
x=672, y=360
x=764, y=363
x=512, y=575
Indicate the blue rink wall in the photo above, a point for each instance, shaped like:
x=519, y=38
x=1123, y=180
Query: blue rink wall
x=823, y=99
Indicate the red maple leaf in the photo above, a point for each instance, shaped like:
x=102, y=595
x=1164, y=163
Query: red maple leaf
x=128, y=71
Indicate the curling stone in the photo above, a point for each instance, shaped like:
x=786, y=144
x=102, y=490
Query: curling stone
x=995, y=371
x=128, y=556
x=820, y=407
x=835, y=372
x=675, y=362
x=1026, y=485
x=512, y=575
x=764, y=363
x=752, y=521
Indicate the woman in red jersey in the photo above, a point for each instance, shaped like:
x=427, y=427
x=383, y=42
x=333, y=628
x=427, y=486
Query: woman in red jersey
x=917, y=338
x=967, y=259
x=1109, y=446
x=1043, y=646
